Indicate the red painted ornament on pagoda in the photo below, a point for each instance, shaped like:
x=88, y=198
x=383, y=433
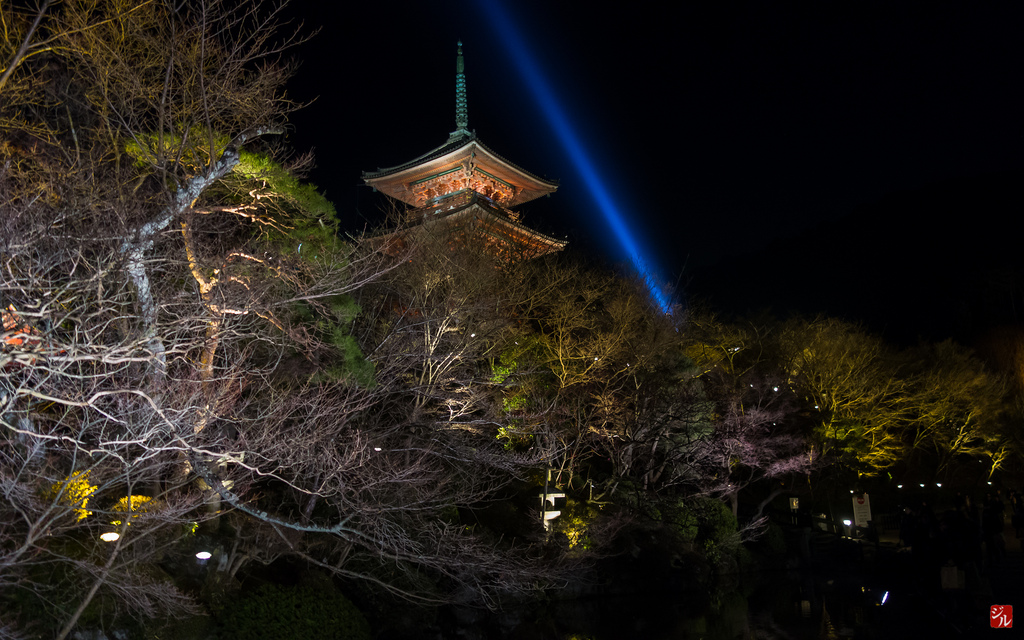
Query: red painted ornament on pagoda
x=467, y=191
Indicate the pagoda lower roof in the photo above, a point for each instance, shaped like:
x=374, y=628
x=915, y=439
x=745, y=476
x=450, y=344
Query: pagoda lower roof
x=462, y=150
x=478, y=216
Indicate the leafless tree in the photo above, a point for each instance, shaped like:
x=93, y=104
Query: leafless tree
x=178, y=326
x=850, y=381
x=956, y=408
x=148, y=279
x=433, y=327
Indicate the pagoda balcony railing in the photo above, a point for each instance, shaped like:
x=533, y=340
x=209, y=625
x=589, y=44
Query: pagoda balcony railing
x=457, y=199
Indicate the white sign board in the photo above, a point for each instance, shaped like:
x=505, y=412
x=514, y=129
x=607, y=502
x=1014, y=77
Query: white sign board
x=861, y=510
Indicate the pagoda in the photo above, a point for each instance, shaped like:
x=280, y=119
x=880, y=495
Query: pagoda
x=464, y=192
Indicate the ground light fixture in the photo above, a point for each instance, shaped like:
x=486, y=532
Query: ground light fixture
x=202, y=557
x=109, y=536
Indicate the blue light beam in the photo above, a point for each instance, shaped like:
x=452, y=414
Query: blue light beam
x=570, y=142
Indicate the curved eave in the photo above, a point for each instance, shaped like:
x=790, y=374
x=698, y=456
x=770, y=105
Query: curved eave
x=481, y=217
x=510, y=228
x=396, y=181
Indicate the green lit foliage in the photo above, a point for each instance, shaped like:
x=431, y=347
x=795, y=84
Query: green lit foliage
x=512, y=439
x=289, y=218
x=153, y=149
x=700, y=518
x=74, y=491
x=310, y=229
x=347, y=364
x=513, y=403
x=514, y=400
x=275, y=612
x=302, y=195
x=291, y=222
x=503, y=368
x=705, y=524
x=352, y=364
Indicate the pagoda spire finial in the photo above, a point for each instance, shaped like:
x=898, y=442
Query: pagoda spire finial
x=461, y=109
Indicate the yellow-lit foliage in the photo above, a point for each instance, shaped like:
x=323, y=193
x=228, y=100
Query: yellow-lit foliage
x=133, y=505
x=852, y=379
x=74, y=491
x=575, y=522
x=576, y=531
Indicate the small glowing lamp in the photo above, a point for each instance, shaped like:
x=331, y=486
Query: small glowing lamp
x=376, y=448
x=938, y=484
x=204, y=555
x=109, y=536
x=922, y=485
x=885, y=596
x=847, y=522
x=899, y=486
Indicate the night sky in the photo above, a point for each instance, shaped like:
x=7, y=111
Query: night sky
x=719, y=127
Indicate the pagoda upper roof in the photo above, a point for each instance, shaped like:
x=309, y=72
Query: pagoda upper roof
x=465, y=151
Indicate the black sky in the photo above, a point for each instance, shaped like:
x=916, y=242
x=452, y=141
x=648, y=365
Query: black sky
x=720, y=125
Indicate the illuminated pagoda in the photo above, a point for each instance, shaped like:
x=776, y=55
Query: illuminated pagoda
x=466, y=191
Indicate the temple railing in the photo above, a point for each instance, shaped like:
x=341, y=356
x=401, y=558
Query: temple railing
x=442, y=204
